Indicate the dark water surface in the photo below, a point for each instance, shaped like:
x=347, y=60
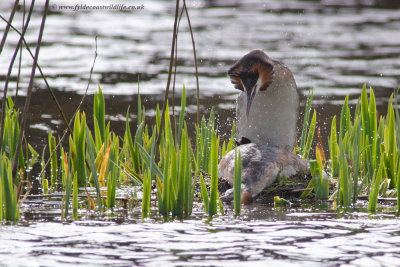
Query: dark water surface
x=334, y=46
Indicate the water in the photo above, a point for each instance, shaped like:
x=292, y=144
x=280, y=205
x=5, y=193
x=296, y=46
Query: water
x=302, y=236
x=334, y=46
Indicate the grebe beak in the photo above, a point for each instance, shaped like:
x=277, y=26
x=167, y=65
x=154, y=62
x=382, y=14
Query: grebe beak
x=250, y=97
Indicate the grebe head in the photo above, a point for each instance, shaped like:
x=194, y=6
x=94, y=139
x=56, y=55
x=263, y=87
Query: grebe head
x=252, y=73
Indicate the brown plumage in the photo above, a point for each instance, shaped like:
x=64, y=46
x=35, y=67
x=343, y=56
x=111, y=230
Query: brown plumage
x=267, y=111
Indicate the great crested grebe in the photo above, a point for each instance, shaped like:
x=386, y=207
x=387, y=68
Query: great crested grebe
x=266, y=113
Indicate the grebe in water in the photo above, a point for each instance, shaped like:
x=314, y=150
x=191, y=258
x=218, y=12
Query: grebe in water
x=266, y=113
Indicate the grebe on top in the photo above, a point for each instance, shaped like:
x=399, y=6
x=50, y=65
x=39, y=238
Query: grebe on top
x=266, y=113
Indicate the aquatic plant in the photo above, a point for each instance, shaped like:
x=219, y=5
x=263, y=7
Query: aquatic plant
x=11, y=131
x=364, y=159
x=9, y=208
x=91, y=162
x=77, y=148
x=319, y=181
x=212, y=204
x=53, y=161
x=367, y=150
x=237, y=183
x=203, y=142
x=307, y=133
x=211, y=199
x=364, y=153
x=114, y=171
x=69, y=182
x=175, y=185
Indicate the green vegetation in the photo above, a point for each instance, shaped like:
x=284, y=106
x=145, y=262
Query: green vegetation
x=8, y=192
x=307, y=133
x=237, y=182
x=364, y=160
x=9, y=206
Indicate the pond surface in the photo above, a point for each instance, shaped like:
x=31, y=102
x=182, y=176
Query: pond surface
x=334, y=46
x=302, y=236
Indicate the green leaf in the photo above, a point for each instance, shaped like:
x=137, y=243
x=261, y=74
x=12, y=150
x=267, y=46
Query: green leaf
x=310, y=136
x=237, y=182
x=307, y=112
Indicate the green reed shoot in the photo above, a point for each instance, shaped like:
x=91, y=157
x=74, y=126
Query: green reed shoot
x=181, y=114
x=45, y=186
x=210, y=200
x=75, y=193
x=346, y=183
x=147, y=180
x=99, y=119
x=91, y=159
x=203, y=141
x=133, y=144
x=183, y=165
x=77, y=148
x=345, y=120
x=8, y=192
x=189, y=188
x=320, y=181
x=53, y=161
x=68, y=186
x=45, y=182
x=398, y=188
x=237, y=182
x=1, y=196
x=334, y=150
x=310, y=136
x=158, y=118
x=391, y=154
x=164, y=190
x=148, y=159
x=374, y=189
x=140, y=113
x=146, y=193
x=132, y=147
x=355, y=155
x=212, y=209
x=33, y=158
x=114, y=172
x=307, y=112
x=11, y=132
x=204, y=194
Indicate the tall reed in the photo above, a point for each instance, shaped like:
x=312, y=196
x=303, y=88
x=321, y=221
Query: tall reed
x=8, y=192
x=237, y=182
x=53, y=162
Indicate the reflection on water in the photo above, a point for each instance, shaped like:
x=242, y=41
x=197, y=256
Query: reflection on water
x=334, y=46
